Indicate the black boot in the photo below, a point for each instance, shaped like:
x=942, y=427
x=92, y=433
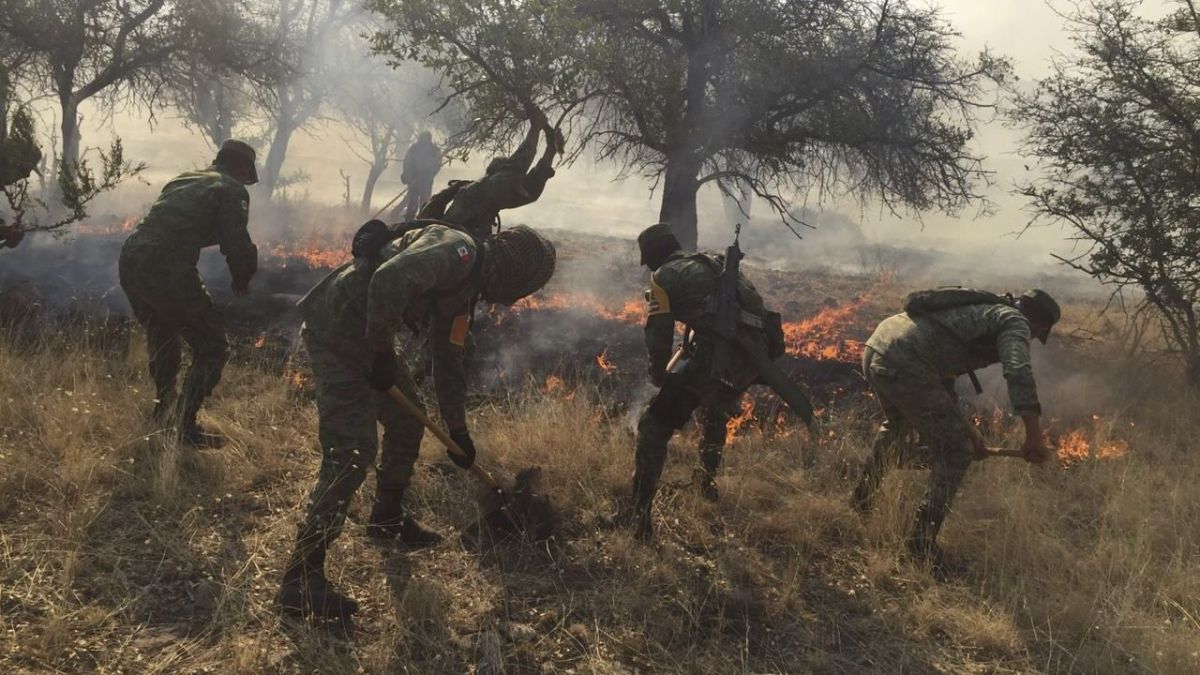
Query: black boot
x=190, y=433
x=306, y=592
x=643, y=501
x=164, y=406
x=404, y=530
x=708, y=486
x=922, y=544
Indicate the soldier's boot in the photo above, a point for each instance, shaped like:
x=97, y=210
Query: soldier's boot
x=643, y=501
x=882, y=450
x=922, y=545
x=189, y=432
x=305, y=590
x=389, y=522
x=706, y=476
x=164, y=407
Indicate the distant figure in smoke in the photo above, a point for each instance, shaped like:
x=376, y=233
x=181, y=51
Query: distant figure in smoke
x=911, y=361
x=431, y=276
x=680, y=288
x=475, y=205
x=422, y=163
x=158, y=274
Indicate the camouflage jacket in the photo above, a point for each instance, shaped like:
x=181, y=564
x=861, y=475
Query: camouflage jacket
x=476, y=205
x=196, y=210
x=679, y=291
x=430, y=273
x=962, y=339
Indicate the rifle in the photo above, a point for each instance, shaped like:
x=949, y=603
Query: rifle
x=727, y=314
x=725, y=309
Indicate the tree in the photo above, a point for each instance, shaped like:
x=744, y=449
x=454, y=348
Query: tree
x=862, y=97
x=385, y=107
x=110, y=49
x=308, y=30
x=1115, y=130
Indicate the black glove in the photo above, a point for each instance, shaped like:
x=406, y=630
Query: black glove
x=382, y=375
x=463, y=439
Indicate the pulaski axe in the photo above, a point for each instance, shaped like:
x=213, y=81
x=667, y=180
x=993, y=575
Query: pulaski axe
x=519, y=510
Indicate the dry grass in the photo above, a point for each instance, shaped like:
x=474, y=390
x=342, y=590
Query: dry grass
x=121, y=552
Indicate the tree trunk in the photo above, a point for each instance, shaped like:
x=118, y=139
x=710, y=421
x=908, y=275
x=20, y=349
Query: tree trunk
x=369, y=189
x=680, y=186
x=70, y=131
x=275, y=156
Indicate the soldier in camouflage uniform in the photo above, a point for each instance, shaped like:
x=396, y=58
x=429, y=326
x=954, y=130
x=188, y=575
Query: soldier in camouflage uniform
x=158, y=274
x=911, y=363
x=475, y=205
x=680, y=288
x=430, y=276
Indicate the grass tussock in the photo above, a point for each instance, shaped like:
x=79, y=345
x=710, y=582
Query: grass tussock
x=121, y=552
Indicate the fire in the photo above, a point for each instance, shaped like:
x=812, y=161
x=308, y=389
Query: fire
x=739, y=421
x=606, y=366
x=261, y=341
x=1074, y=447
x=821, y=336
x=316, y=252
x=124, y=227
x=632, y=312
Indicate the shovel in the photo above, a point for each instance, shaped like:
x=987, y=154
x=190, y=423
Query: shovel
x=520, y=510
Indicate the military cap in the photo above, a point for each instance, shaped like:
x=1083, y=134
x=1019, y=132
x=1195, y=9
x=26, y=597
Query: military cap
x=243, y=150
x=652, y=235
x=1041, y=308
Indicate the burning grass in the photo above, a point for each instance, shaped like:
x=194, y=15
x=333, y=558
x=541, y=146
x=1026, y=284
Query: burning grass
x=122, y=552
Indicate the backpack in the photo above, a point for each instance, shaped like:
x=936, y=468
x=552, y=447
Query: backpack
x=924, y=303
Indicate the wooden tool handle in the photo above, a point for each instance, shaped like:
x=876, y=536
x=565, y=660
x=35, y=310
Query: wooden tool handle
x=441, y=434
x=1005, y=452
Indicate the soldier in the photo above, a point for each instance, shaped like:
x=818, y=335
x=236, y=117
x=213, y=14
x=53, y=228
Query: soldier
x=431, y=275
x=680, y=288
x=158, y=274
x=911, y=361
x=421, y=165
x=475, y=205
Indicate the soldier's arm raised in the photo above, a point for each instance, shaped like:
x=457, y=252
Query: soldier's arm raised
x=233, y=216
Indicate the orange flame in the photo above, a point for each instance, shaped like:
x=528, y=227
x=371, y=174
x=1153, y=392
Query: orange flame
x=316, y=252
x=821, y=336
x=633, y=311
x=739, y=421
x=261, y=341
x=1074, y=447
x=606, y=366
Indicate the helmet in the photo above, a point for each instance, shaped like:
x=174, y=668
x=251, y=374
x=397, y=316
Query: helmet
x=517, y=262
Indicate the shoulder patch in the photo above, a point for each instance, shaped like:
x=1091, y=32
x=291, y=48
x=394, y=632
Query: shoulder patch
x=657, y=298
x=245, y=204
x=459, y=330
x=464, y=253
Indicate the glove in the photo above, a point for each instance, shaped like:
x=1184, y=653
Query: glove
x=382, y=375
x=658, y=376
x=463, y=439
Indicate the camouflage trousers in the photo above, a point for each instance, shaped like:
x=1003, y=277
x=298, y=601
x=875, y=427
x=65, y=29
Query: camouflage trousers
x=929, y=407
x=349, y=412
x=174, y=307
x=670, y=410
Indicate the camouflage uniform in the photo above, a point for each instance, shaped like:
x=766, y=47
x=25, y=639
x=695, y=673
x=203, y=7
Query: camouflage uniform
x=679, y=291
x=158, y=274
x=911, y=364
x=476, y=206
x=430, y=273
